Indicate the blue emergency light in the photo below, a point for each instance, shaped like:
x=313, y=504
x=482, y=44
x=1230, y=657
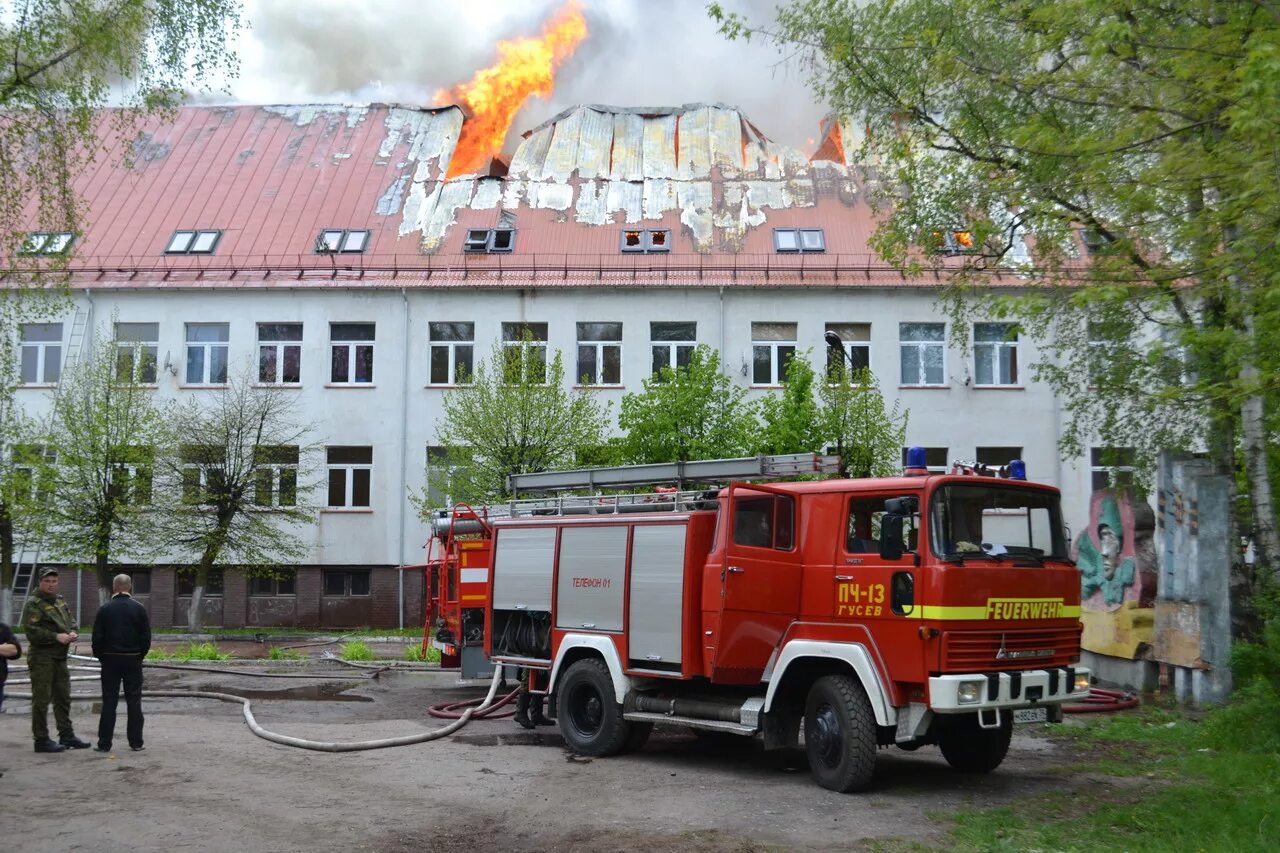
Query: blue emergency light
x=1017, y=469
x=916, y=462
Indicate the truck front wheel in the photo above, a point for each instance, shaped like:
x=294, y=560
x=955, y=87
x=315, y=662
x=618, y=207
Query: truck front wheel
x=839, y=734
x=970, y=748
x=590, y=720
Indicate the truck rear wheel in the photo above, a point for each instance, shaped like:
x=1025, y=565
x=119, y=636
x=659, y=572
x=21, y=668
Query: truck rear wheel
x=970, y=748
x=839, y=734
x=590, y=720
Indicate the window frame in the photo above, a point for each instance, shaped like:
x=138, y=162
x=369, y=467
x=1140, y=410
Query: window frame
x=450, y=347
x=273, y=583
x=207, y=361
x=275, y=478
x=196, y=234
x=646, y=245
x=863, y=347
x=473, y=245
x=998, y=348
x=136, y=470
x=535, y=344
x=349, y=471
x=342, y=244
x=144, y=348
x=672, y=348
x=777, y=362
x=919, y=346
x=184, y=583
x=799, y=235
x=599, y=346
x=352, y=347
x=348, y=587
x=932, y=455
x=280, y=349
x=42, y=356
x=39, y=243
x=1125, y=466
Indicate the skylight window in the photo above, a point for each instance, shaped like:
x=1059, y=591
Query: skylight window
x=47, y=243
x=954, y=242
x=646, y=240
x=490, y=240
x=334, y=241
x=799, y=240
x=193, y=242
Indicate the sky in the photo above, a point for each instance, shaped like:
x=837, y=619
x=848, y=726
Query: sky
x=637, y=53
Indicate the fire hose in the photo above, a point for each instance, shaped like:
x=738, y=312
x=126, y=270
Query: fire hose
x=1104, y=700
x=485, y=706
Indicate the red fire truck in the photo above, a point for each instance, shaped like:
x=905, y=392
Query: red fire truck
x=855, y=614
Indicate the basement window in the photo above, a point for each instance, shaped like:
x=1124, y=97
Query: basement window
x=490, y=240
x=646, y=240
x=333, y=241
x=193, y=242
x=47, y=243
x=799, y=240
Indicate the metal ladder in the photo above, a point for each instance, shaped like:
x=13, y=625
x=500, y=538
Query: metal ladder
x=700, y=471
x=25, y=570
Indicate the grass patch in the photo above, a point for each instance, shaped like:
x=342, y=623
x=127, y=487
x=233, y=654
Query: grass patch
x=356, y=650
x=199, y=651
x=278, y=653
x=417, y=655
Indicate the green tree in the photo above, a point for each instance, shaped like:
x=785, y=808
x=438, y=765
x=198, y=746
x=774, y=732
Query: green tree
x=514, y=417
x=1148, y=125
x=688, y=413
x=790, y=421
x=107, y=432
x=64, y=60
x=245, y=467
x=867, y=435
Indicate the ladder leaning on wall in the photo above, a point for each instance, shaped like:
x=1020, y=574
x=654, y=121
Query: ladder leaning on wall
x=27, y=555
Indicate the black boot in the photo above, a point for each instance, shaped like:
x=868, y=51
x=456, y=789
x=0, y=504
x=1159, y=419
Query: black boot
x=48, y=745
x=522, y=711
x=536, y=718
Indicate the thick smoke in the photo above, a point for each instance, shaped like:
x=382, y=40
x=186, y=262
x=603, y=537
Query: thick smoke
x=638, y=53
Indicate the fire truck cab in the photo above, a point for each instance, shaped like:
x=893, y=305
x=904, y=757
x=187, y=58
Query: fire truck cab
x=847, y=614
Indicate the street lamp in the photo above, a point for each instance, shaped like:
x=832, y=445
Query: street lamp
x=834, y=343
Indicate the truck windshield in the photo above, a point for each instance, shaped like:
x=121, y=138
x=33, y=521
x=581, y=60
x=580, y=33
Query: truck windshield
x=994, y=519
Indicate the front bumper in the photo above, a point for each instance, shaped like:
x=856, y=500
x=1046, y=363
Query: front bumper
x=1019, y=689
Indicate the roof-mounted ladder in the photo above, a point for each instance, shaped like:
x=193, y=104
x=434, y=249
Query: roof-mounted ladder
x=676, y=473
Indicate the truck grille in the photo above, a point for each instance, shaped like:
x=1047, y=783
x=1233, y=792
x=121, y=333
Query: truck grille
x=976, y=651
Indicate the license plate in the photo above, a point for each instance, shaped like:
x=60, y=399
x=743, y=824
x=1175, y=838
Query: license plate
x=1030, y=715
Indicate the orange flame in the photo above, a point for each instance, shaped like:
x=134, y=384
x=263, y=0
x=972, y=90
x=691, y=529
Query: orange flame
x=526, y=66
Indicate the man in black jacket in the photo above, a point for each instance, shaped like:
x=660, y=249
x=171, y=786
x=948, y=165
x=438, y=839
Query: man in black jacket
x=121, y=639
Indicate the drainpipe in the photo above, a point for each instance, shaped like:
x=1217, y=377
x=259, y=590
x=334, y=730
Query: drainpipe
x=86, y=351
x=724, y=357
x=404, y=450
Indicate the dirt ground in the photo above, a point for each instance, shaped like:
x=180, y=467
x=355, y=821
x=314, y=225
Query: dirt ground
x=205, y=782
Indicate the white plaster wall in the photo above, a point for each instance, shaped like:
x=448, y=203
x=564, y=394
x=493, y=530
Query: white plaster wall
x=396, y=416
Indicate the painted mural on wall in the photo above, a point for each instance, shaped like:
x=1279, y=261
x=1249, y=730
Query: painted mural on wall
x=1116, y=554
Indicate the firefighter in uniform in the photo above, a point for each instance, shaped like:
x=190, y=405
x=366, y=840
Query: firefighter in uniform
x=529, y=705
x=50, y=633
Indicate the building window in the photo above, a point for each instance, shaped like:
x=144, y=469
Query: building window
x=521, y=338
x=203, y=477
x=280, y=353
x=954, y=242
x=193, y=242
x=207, y=353
x=1094, y=240
x=333, y=241
x=600, y=353
x=346, y=583
x=441, y=470
x=141, y=581
x=772, y=346
x=352, y=350
x=1111, y=467
x=646, y=240
x=672, y=344
x=923, y=353
x=935, y=460
x=41, y=353
x=283, y=585
x=47, y=243
x=799, y=240
x=452, y=352
x=275, y=476
x=490, y=240
x=350, y=476
x=33, y=472
x=131, y=475
x=856, y=339
x=997, y=457
x=213, y=584
x=995, y=353
x=136, y=346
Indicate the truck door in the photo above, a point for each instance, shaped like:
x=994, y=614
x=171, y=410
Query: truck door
x=881, y=595
x=760, y=583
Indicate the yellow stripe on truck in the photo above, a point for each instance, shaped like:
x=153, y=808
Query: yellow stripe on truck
x=1001, y=609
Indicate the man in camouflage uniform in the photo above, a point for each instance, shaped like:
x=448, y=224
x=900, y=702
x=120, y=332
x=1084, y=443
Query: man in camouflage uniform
x=50, y=633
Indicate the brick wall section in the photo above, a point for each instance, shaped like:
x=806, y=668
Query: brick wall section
x=412, y=599
x=163, y=595
x=384, y=589
x=308, y=587
x=235, y=599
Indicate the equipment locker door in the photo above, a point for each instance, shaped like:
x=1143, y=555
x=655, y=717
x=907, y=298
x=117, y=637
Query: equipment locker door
x=760, y=583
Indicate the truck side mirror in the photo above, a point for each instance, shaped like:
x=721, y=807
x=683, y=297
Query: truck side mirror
x=891, y=537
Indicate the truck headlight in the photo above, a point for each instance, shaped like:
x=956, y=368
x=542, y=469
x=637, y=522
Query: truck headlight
x=1081, y=683
x=969, y=692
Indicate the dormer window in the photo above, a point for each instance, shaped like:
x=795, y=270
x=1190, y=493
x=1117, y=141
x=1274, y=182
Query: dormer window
x=193, y=242
x=790, y=240
x=47, y=243
x=1093, y=239
x=646, y=240
x=334, y=241
x=490, y=240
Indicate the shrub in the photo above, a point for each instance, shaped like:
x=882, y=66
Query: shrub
x=356, y=650
x=278, y=653
x=416, y=654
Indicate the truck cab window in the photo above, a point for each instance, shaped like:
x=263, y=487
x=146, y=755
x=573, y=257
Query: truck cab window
x=764, y=522
x=990, y=521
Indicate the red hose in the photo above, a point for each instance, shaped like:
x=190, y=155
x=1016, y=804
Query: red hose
x=1104, y=700
x=452, y=710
